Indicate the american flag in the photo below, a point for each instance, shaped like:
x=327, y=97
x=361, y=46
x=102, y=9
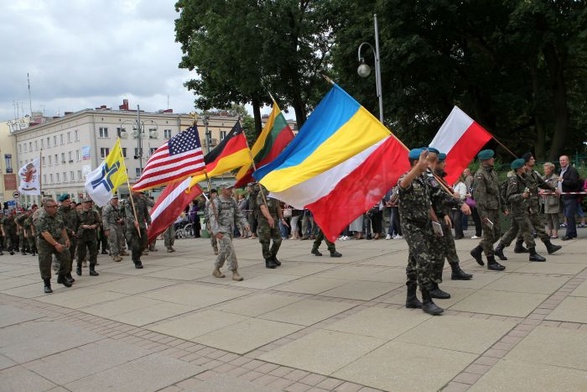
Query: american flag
x=177, y=159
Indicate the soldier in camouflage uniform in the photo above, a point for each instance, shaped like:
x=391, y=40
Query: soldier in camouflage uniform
x=19, y=220
x=29, y=230
x=2, y=245
x=52, y=240
x=486, y=194
x=224, y=214
x=69, y=216
x=444, y=246
x=136, y=229
x=253, y=217
x=207, y=212
x=535, y=184
x=10, y=234
x=318, y=241
x=87, y=236
x=270, y=213
x=417, y=215
x=112, y=222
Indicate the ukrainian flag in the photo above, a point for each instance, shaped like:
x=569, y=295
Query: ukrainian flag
x=338, y=129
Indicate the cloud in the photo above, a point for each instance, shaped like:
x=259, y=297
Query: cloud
x=86, y=53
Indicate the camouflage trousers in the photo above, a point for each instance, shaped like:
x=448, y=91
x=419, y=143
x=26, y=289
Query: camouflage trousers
x=266, y=234
x=420, y=267
x=46, y=252
x=538, y=222
x=226, y=253
x=318, y=241
x=115, y=240
x=136, y=244
x=169, y=237
x=490, y=233
x=83, y=245
x=443, y=248
x=213, y=240
x=521, y=227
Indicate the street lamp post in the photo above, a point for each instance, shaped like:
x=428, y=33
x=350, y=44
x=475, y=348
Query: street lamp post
x=364, y=70
x=206, y=119
x=139, y=126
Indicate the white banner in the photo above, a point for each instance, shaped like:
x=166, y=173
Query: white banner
x=30, y=179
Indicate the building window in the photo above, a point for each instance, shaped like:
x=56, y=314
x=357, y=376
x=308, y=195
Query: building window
x=51, y=178
x=78, y=155
x=167, y=133
x=25, y=148
x=103, y=132
x=222, y=135
x=8, y=162
x=137, y=153
x=64, y=176
x=79, y=175
x=31, y=146
x=70, y=157
x=36, y=145
x=104, y=152
x=42, y=143
x=61, y=139
x=76, y=135
x=68, y=137
x=50, y=160
x=119, y=131
x=152, y=150
x=124, y=152
x=44, y=162
x=71, y=175
x=56, y=160
x=137, y=172
x=55, y=140
x=20, y=148
x=57, y=178
x=63, y=158
x=153, y=133
x=45, y=178
x=48, y=142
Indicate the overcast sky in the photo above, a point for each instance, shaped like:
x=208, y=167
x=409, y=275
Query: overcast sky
x=86, y=53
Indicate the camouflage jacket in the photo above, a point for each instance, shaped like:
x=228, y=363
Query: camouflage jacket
x=142, y=207
x=9, y=224
x=414, y=201
x=89, y=218
x=110, y=216
x=535, y=182
x=516, y=186
x=486, y=190
x=51, y=224
x=272, y=206
x=225, y=215
x=70, y=218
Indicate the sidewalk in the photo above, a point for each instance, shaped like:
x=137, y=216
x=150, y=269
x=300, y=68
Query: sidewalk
x=313, y=324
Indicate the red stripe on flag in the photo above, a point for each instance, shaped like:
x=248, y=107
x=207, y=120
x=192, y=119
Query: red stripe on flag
x=465, y=150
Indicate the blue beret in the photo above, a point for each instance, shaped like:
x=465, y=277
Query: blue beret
x=442, y=157
x=415, y=153
x=518, y=163
x=63, y=197
x=485, y=155
x=433, y=150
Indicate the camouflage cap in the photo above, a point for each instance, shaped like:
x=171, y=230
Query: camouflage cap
x=87, y=200
x=226, y=185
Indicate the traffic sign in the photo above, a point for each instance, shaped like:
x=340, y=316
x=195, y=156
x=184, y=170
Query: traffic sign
x=16, y=194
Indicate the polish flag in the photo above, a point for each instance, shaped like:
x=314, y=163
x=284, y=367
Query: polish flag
x=460, y=138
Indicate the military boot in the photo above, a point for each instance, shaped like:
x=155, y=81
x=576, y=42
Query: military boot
x=519, y=248
x=78, y=269
x=316, y=252
x=535, y=256
x=428, y=306
x=412, y=301
x=458, y=273
x=334, y=253
x=499, y=251
x=93, y=270
x=437, y=292
x=69, y=277
x=494, y=265
x=236, y=276
x=477, y=255
x=63, y=280
x=277, y=262
x=269, y=263
x=47, y=287
x=550, y=247
x=217, y=274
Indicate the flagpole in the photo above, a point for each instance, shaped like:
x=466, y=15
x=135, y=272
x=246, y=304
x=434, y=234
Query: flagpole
x=253, y=161
x=40, y=175
x=132, y=202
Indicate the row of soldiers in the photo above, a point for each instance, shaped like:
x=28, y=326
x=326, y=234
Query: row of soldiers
x=63, y=232
x=17, y=232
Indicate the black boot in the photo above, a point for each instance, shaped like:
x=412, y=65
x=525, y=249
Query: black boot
x=519, y=248
x=78, y=269
x=428, y=306
x=458, y=273
x=494, y=265
x=334, y=253
x=47, y=288
x=535, y=256
x=269, y=263
x=412, y=301
x=277, y=262
x=499, y=251
x=63, y=280
x=139, y=264
x=69, y=277
x=550, y=247
x=93, y=270
x=477, y=255
x=436, y=292
x=316, y=252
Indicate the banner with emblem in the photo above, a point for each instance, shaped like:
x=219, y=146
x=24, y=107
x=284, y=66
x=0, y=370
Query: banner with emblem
x=102, y=183
x=30, y=178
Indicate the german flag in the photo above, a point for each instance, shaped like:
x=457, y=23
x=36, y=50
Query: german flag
x=231, y=154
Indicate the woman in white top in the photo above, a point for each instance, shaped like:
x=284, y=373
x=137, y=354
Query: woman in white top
x=460, y=189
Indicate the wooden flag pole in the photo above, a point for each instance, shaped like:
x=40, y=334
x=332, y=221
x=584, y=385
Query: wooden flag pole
x=132, y=202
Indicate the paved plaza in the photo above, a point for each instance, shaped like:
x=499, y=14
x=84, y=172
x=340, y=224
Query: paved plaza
x=313, y=324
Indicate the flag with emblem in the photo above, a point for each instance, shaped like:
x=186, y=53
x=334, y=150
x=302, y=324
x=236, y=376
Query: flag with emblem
x=177, y=159
x=102, y=183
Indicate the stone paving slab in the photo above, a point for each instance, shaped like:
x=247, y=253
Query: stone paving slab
x=314, y=324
